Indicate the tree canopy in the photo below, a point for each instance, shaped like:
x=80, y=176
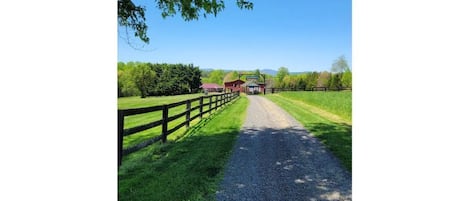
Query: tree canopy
x=147, y=79
x=132, y=16
x=340, y=65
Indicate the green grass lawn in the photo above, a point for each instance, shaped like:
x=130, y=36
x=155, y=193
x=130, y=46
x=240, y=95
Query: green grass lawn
x=336, y=136
x=187, y=169
x=337, y=102
x=140, y=119
x=137, y=102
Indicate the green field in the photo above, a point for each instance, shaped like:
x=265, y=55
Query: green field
x=137, y=102
x=338, y=103
x=136, y=120
x=334, y=133
x=187, y=169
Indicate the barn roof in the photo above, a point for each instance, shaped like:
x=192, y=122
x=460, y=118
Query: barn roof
x=210, y=86
x=250, y=84
x=235, y=81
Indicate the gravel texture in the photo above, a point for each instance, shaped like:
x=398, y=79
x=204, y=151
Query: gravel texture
x=275, y=158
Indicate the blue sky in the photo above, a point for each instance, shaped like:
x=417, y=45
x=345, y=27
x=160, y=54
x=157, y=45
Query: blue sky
x=302, y=35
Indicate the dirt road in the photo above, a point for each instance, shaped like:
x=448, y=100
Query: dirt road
x=275, y=158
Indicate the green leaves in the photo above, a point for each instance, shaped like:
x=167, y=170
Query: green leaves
x=340, y=65
x=148, y=79
x=143, y=78
x=133, y=16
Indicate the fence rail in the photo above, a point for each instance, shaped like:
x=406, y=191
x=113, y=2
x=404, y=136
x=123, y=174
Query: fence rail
x=219, y=101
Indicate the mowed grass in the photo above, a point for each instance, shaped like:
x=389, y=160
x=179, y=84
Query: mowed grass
x=187, y=169
x=337, y=102
x=336, y=136
x=140, y=119
x=137, y=102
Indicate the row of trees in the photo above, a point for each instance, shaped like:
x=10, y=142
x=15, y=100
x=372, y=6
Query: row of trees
x=336, y=80
x=219, y=76
x=147, y=79
x=340, y=77
x=315, y=79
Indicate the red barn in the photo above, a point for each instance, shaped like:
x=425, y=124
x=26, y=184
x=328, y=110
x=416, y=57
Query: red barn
x=234, y=86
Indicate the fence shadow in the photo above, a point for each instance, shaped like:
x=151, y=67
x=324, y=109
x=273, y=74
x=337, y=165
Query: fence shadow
x=289, y=164
x=337, y=137
x=171, y=165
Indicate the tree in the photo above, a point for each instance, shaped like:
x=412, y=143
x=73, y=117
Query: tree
x=301, y=82
x=312, y=80
x=281, y=73
x=194, y=78
x=257, y=73
x=340, y=65
x=335, y=81
x=286, y=82
x=216, y=76
x=347, y=79
x=125, y=82
x=231, y=76
x=143, y=77
x=323, y=79
x=132, y=16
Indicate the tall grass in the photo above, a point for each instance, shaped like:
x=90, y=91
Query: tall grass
x=187, y=169
x=339, y=103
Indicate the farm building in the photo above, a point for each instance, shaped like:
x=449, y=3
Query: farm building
x=251, y=86
x=234, y=86
x=211, y=87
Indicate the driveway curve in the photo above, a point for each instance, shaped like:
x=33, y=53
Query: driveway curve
x=276, y=158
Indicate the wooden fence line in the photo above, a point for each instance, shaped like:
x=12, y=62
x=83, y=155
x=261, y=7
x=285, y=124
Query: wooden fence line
x=165, y=119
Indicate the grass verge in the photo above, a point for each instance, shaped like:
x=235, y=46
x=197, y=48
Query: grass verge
x=187, y=169
x=337, y=137
x=337, y=102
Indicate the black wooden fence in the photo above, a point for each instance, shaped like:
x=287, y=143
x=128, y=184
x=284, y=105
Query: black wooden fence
x=218, y=101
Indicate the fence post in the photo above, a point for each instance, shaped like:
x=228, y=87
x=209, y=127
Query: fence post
x=210, y=105
x=201, y=101
x=120, y=135
x=216, y=102
x=223, y=96
x=221, y=101
x=164, y=131
x=188, y=113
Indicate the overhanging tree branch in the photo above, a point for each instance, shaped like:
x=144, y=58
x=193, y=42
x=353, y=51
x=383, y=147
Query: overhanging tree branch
x=133, y=16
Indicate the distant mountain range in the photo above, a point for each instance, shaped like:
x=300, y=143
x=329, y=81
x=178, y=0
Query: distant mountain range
x=269, y=72
x=265, y=71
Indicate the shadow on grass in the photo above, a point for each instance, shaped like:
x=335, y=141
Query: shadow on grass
x=185, y=169
x=337, y=137
x=284, y=164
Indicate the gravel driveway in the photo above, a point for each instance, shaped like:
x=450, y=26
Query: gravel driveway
x=275, y=158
